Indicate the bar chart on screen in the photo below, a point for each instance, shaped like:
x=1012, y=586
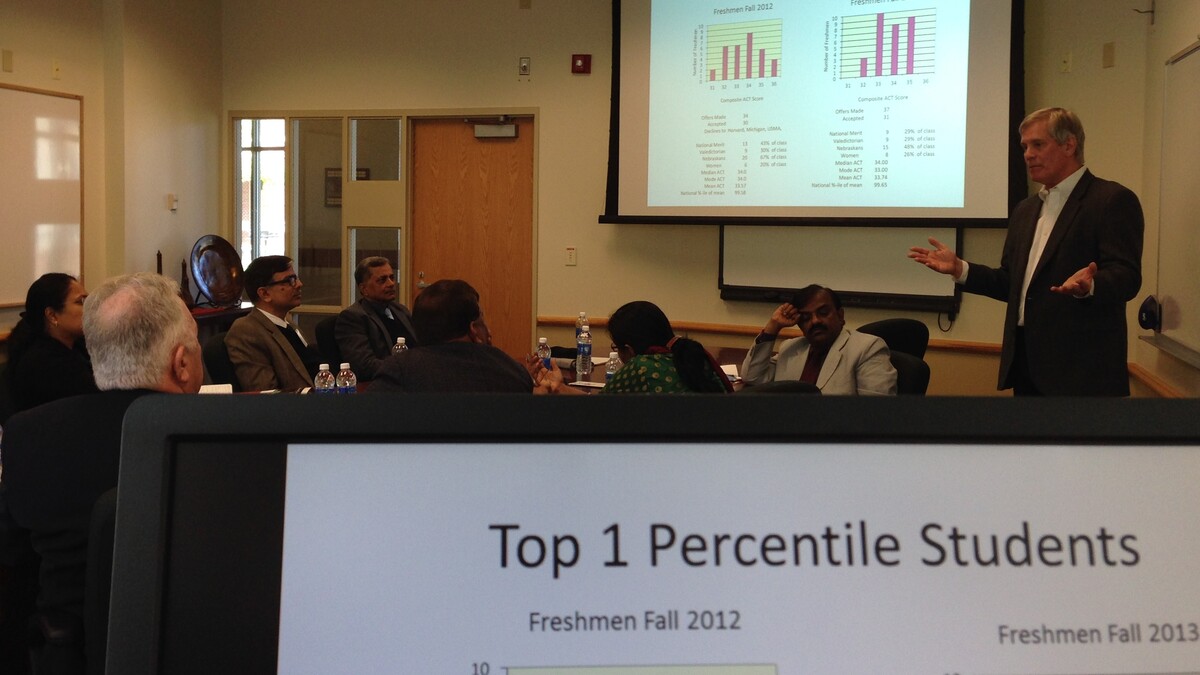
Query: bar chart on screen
x=888, y=44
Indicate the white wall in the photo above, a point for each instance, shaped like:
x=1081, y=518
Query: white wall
x=149, y=74
x=1177, y=25
x=38, y=34
x=172, y=129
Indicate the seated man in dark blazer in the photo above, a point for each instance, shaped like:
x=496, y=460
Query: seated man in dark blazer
x=267, y=351
x=456, y=352
x=61, y=456
x=366, y=330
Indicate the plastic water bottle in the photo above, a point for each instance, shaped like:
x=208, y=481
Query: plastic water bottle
x=400, y=346
x=580, y=323
x=324, y=382
x=583, y=359
x=543, y=352
x=347, y=383
x=614, y=364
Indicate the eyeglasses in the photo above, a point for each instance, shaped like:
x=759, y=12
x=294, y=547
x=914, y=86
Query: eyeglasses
x=290, y=280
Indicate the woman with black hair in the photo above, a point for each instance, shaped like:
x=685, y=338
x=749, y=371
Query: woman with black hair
x=47, y=359
x=656, y=360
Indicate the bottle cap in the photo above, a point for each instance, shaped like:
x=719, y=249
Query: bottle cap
x=612, y=356
x=541, y=341
x=587, y=327
x=400, y=341
x=324, y=366
x=345, y=366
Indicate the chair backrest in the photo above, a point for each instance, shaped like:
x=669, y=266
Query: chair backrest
x=98, y=581
x=912, y=374
x=7, y=405
x=327, y=343
x=901, y=335
x=781, y=387
x=217, y=365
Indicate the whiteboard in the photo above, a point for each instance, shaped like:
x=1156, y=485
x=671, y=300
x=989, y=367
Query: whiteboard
x=869, y=260
x=1179, y=225
x=41, y=188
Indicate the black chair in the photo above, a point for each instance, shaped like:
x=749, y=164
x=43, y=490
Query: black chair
x=912, y=374
x=217, y=365
x=98, y=583
x=327, y=343
x=901, y=335
x=7, y=405
x=781, y=387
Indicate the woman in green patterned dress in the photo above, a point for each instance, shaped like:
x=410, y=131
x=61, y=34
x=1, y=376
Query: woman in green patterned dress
x=656, y=360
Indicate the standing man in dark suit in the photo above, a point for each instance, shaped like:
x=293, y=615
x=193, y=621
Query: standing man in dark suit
x=1072, y=259
x=366, y=330
x=268, y=352
x=61, y=456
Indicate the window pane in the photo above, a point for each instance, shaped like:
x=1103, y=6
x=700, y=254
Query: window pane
x=271, y=201
x=375, y=151
x=244, y=206
x=271, y=133
x=246, y=133
x=318, y=151
x=366, y=242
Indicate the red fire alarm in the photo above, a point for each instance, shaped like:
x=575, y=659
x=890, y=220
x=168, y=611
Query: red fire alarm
x=581, y=63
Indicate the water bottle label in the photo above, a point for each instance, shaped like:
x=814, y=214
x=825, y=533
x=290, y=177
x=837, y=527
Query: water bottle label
x=546, y=362
x=585, y=350
x=346, y=390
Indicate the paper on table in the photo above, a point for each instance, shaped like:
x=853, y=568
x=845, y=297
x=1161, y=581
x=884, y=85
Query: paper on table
x=730, y=370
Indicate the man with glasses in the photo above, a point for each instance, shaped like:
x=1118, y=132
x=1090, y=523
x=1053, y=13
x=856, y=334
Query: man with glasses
x=267, y=351
x=366, y=330
x=834, y=358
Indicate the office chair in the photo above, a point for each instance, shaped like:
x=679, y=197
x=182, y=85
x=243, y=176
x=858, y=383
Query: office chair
x=98, y=583
x=912, y=374
x=217, y=366
x=327, y=343
x=901, y=335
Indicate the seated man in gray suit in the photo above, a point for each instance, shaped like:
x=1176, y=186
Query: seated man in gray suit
x=834, y=358
x=267, y=351
x=366, y=330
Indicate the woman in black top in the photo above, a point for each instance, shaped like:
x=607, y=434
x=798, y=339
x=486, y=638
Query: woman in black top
x=47, y=359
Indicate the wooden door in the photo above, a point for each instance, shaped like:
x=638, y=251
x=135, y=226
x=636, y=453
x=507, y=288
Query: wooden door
x=472, y=206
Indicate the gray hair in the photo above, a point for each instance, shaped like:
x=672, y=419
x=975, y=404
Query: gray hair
x=132, y=323
x=1061, y=124
x=363, y=271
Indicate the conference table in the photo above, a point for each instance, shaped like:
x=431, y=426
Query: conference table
x=724, y=356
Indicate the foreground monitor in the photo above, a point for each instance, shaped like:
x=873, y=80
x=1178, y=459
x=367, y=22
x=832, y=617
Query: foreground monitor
x=739, y=535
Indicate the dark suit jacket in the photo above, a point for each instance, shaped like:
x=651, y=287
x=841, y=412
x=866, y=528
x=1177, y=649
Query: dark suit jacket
x=363, y=338
x=58, y=459
x=262, y=356
x=1075, y=347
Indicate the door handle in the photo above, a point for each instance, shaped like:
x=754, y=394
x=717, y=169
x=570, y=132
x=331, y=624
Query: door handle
x=421, y=280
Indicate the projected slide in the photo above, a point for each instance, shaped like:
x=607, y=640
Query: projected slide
x=821, y=103
x=739, y=559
